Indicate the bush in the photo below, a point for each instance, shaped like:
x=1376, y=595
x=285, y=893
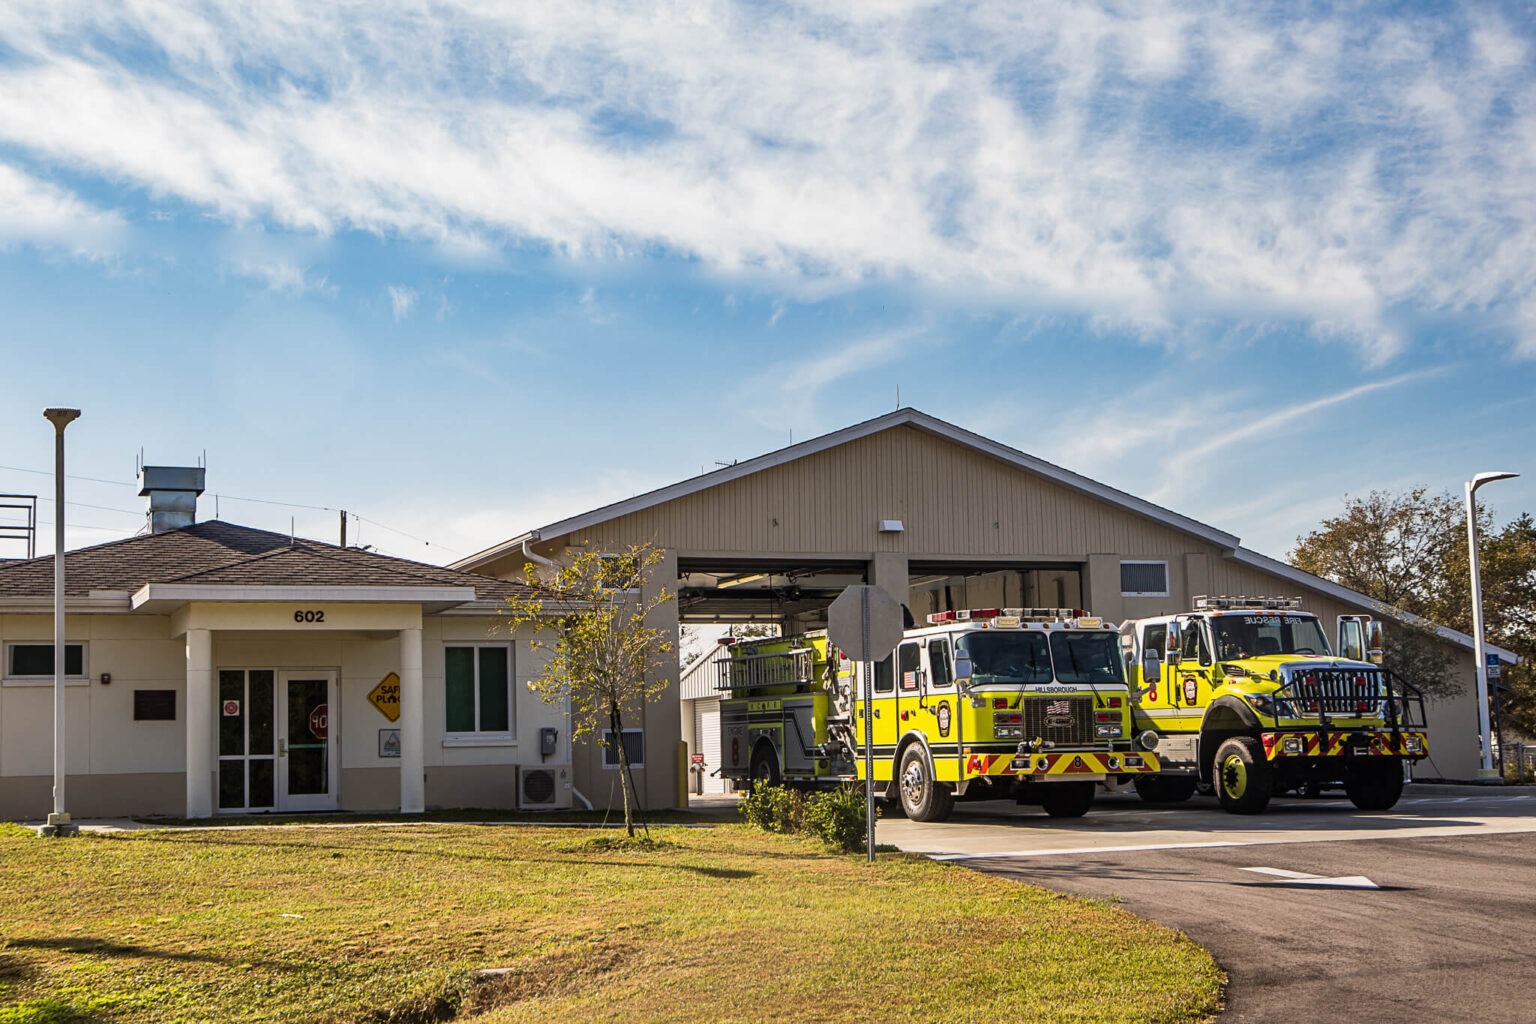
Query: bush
x=774, y=809
x=836, y=816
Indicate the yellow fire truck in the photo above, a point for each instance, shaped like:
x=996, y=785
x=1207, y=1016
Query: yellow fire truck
x=983, y=704
x=1245, y=695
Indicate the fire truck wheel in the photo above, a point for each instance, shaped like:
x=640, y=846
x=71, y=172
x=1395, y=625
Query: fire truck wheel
x=1067, y=799
x=1244, y=780
x=765, y=768
x=1374, y=785
x=922, y=798
x=1165, y=789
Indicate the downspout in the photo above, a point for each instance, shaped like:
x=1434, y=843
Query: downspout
x=534, y=556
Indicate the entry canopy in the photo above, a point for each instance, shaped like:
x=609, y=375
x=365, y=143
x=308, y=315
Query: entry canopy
x=846, y=620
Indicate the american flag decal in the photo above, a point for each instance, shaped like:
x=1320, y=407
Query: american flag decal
x=1058, y=707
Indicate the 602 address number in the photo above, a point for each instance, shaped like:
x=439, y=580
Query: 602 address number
x=310, y=615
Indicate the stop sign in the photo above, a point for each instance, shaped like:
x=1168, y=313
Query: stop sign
x=847, y=617
x=320, y=721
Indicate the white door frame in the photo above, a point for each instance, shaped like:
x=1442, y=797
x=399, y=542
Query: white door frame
x=329, y=800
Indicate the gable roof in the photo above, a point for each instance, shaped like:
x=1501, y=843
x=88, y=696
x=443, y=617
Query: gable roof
x=900, y=418
x=216, y=553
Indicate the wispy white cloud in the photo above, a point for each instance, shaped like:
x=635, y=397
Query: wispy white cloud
x=401, y=301
x=1150, y=164
x=38, y=213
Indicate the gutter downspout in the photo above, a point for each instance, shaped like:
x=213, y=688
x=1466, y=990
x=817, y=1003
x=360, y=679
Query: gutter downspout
x=578, y=795
x=534, y=556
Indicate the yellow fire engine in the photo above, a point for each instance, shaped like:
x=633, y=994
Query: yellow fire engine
x=1245, y=695
x=983, y=704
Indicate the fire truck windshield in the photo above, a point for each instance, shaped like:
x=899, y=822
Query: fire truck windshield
x=1087, y=657
x=1005, y=657
x=1253, y=635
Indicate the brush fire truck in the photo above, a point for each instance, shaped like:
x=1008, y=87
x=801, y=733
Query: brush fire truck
x=1244, y=695
x=980, y=704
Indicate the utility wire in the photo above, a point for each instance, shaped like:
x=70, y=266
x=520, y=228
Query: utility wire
x=224, y=497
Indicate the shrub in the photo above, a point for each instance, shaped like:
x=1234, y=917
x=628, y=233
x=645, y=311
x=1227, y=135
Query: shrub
x=774, y=809
x=836, y=817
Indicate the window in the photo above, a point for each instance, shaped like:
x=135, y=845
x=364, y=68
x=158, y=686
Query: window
x=910, y=657
x=1143, y=579
x=154, y=705
x=634, y=748
x=35, y=661
x=1155, y=638
x=477, y=685
x=1194, y=643
x=885, y=678
x=938, y=662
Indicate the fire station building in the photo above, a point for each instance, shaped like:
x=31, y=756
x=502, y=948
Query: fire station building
x=216, y=668
x=943, y=519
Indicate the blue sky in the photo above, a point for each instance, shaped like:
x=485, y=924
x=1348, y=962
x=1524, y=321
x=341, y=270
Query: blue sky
x=463, y=268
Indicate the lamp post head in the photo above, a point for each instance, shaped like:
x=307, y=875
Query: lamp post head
x=1486, y=478
x=61, y=418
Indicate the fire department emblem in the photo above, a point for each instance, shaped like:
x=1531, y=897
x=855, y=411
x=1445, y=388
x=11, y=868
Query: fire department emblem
x=1191, y=689
x=943, y=719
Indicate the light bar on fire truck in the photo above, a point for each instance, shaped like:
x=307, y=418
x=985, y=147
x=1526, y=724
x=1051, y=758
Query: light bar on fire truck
x=1014, y=617
x=1207, y=604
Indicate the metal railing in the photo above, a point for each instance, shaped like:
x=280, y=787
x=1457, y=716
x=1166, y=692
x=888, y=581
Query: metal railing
x=755, y=671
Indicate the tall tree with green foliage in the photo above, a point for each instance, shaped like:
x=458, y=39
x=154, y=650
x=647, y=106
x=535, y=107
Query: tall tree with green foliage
x=1409, y=550
x=604, y=655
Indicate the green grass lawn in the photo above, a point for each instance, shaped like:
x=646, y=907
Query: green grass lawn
x=723, y=924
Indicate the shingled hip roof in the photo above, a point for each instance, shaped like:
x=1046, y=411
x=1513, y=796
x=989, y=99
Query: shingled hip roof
x=216, y=553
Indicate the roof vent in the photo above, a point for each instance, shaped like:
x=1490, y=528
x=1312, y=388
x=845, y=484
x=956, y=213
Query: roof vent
x=172, y=492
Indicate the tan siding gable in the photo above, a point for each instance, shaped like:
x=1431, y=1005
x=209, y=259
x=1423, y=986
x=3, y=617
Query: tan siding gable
x=831, y=501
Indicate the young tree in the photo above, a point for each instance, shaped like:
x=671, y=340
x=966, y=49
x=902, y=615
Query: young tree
x=604, y=655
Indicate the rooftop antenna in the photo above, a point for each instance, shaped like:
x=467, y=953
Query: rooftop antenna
x=343, y=527
x=291, y=541
x=898, y=396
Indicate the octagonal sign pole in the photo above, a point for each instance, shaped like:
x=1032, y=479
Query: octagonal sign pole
x=865, y=623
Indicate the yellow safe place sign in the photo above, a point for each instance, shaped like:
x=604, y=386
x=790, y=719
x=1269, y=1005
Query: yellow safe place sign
x=386, y=697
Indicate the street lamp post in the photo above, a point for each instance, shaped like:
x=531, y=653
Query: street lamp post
x=58, y=821
x=1485, y=769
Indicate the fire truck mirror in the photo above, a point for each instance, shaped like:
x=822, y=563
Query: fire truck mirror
x=1374, y=642
x=963, y=669
x=1151, y=667
x=1175, y=642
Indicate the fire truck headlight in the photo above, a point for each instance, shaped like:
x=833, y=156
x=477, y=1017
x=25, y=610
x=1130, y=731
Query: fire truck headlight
x=1413, y=744
x=1107, y=730
x=1291, y=744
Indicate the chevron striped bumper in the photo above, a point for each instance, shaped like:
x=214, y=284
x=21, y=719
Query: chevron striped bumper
x=1058, y=764
x=1412, y=745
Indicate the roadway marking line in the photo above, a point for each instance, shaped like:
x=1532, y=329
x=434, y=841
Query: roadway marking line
x=1081, y=850
x=1302, y=878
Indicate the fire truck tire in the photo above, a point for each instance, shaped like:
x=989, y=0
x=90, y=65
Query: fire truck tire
x=1067, y=799
x=765, y=768
x=1165, y=789
x=922, y=798
x=1244, y=780
x=1374, y=785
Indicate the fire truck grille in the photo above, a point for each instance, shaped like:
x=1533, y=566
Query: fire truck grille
x=1059, y=719
x=1341, y=693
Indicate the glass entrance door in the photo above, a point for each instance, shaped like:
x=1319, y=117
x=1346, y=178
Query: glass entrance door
x=306, y=753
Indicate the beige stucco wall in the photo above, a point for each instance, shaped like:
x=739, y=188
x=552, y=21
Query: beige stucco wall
x=119, y=766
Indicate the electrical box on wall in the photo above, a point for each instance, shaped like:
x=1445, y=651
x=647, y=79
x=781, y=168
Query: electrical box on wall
x=549, y=741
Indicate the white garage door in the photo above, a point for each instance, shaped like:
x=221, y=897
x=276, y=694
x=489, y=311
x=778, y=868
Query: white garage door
x=706, y=730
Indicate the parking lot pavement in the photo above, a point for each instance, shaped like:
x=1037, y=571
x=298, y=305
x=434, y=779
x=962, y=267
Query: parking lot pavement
x=1316, y=911
x=1125, y=824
